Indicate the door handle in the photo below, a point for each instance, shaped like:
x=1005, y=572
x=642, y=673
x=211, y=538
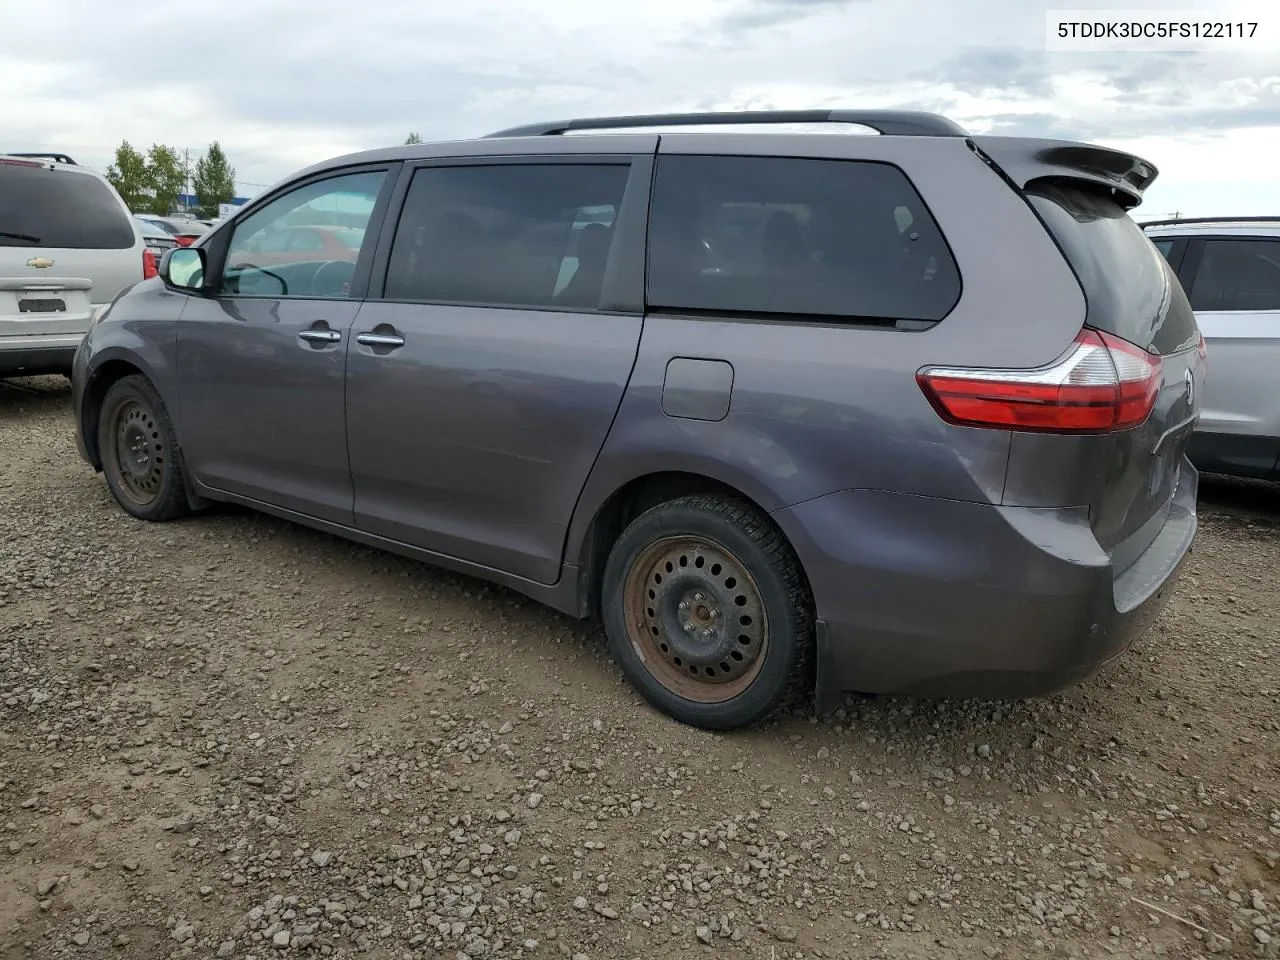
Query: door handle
x=320, y=336
x=380, y=339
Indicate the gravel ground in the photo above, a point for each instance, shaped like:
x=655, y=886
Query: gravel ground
x=232, y=737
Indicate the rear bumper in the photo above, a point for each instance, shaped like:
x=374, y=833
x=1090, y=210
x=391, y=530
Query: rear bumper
x=32, y=355
x=927, y=597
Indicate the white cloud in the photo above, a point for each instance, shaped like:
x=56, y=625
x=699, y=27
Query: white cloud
x=284, y=83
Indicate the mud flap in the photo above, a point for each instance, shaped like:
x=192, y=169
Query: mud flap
x=827, y=695
x=194, y=500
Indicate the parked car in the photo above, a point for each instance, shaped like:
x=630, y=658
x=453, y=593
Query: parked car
x=902, y=413
x=67, y=247
x=158, y=240
x=184, y=231
x=1230, y=268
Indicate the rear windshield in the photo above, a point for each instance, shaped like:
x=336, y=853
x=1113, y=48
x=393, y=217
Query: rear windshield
x=1130, y=289
x=163, y=225
x=56, y=208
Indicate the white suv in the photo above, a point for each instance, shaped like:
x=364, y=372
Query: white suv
x=1230, y=268
x=67, y=246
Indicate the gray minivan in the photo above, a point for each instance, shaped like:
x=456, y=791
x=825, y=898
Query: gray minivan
x=789, y=412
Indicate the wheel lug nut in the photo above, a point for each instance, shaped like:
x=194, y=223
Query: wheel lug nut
x=698, y=597
x=708, y=633
x=688, y=628
x=684, y=604
x=715, y=614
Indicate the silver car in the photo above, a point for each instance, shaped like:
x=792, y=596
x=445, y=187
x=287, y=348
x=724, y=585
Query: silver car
x=67, y=247
x=1230, y=268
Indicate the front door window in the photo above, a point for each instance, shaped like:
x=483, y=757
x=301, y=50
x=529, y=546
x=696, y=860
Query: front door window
x=280, y=250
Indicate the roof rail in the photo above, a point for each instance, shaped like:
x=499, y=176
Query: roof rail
x=1174, y=221
x=900, y=123
x=57, y=157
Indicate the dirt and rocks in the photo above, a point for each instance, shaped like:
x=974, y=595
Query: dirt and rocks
x=230, y=737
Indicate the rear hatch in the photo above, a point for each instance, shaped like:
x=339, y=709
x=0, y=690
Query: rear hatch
x=1139, y=335
x=67, y=243
x=1132, y=294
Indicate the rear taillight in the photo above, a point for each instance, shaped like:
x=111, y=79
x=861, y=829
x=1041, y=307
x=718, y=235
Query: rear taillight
x=149, y=269
x=185, y=241
x=1102, y=383
x=1203, y=349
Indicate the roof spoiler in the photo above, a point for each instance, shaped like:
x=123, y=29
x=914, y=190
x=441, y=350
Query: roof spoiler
x=56, y=157
x=899, y=123
x=1024, y=159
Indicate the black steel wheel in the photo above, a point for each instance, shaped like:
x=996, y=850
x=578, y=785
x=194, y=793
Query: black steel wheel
x=697, y=616
x=139, y=451
x=708, y=612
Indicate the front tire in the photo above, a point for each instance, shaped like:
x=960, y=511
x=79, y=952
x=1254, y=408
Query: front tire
x=139, y=450
x=708, y=612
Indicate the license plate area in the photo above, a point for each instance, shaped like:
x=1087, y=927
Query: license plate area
x=42, y=305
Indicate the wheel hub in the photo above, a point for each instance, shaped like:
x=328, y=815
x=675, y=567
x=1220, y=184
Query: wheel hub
x=139, y=454
x=698, y=618
x=693, y=613
x=136, y=450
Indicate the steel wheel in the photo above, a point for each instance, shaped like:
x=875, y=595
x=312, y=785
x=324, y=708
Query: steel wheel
x=137, y=451
x=696, y=619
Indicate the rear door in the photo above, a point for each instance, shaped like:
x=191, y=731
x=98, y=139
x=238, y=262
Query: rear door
x=1234, y=287
x=1127, y=478
x=482, y=383
x=67, y=244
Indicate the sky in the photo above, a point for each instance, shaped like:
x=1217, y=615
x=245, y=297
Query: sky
x=282, y=84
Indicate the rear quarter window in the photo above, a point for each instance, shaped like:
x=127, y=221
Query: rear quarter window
x=1238, y=274
x=808, y=238
x=1130, y=289
x=60, y=209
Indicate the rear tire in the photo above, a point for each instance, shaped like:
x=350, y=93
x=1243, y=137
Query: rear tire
x=708, y=612
x=139, y=448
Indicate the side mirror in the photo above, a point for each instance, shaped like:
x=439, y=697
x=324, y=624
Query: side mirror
x=184, y=268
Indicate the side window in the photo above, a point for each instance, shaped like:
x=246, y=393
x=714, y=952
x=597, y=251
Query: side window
x=760, y=235
x=263, y=258
x=1238, y=275
x=530, y=235
x=1164, y=246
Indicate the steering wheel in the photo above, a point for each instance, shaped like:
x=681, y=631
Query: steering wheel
x=248, y=269
x=331, y=279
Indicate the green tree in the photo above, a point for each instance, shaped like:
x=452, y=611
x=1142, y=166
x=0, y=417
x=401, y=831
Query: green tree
x=168, y=178
x=131, y=177
x=215, y=180
x=414, y=137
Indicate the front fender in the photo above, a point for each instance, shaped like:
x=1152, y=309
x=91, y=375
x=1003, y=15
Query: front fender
x=138, y=334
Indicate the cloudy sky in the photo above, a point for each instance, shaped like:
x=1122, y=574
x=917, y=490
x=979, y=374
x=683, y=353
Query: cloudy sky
x=284, y=83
